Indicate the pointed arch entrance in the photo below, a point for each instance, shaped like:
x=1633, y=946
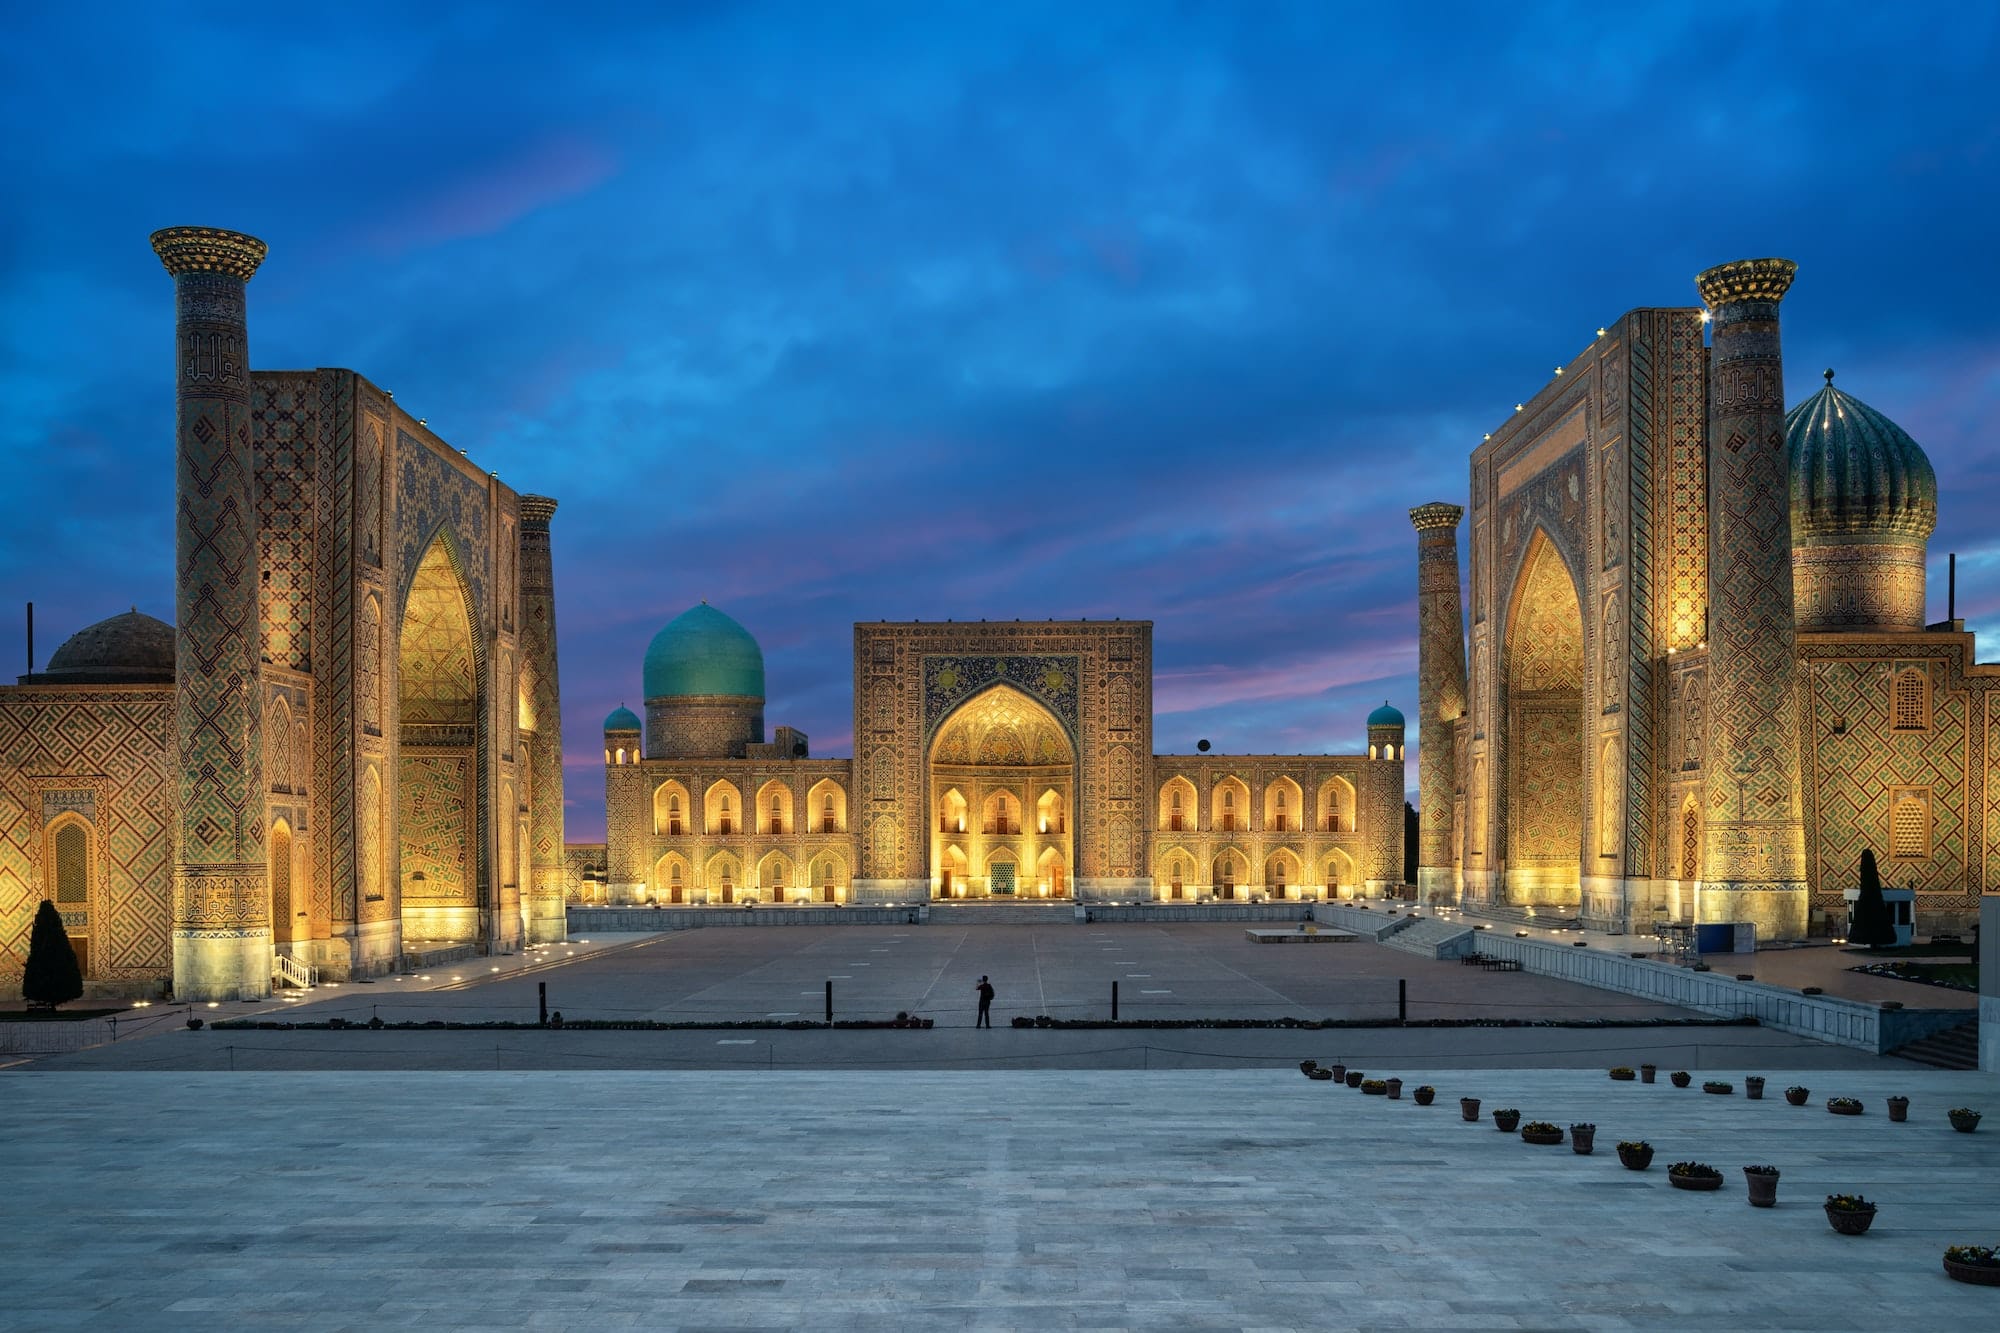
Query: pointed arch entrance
x=438, y=709
x=1542, y=679
x=1002, y=792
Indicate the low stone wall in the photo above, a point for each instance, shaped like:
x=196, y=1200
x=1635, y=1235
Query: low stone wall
x=1822, y=1017
x=625, y=920
x=1367, y=922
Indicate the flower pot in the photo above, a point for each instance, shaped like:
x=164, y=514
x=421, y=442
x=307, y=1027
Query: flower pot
x=1965, y=1121
x=1581, y=1140
x=1851, y=1221
x=1797, y=1096
x=1621, y=1075
x=1695, y=1182
x=1681, y=1078
x=1469, y=1108
x=1547, y=1138
x=1646, y=1073
x=1839, y=1106
x=1424, y=1096
x=1982, y=1275
x=1753, y=1087
x=1763, y=1186
x=1395, y=1089
x=1307, y=1066
x=1321, y=1076
x=1354, y=1077
x=1899, y=1109
x=1505, y=1121
x=1635, y=1159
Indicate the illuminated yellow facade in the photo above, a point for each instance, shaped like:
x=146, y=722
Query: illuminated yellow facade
x=999, y=760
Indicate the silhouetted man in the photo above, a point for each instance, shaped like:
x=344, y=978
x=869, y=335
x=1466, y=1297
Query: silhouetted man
x=985, y=1019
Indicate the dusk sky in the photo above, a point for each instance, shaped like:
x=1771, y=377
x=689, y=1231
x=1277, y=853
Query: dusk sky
x=837, y=312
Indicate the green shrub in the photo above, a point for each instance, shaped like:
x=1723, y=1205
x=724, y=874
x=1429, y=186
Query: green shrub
x=51, y=976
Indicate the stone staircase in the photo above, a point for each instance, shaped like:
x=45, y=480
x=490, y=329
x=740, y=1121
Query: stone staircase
x=1038, y=913
x=1954, y=1048
x=1433, y=939
x=1546, y=916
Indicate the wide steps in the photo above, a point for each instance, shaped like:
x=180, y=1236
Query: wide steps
x=1433, y=939
x=1050, y=913
x=1954, y=1048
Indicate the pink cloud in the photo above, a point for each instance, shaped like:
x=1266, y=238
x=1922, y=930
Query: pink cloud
x=485, y=200
x=1191, y=689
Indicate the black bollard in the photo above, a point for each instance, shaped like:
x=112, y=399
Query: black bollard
x=829, y=1001
x=542, y=990
x=1402, y=1000
x=1114, y=1002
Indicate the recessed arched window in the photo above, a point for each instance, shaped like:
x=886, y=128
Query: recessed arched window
x=1910, y=826
x=72, y=864
x=826, y=813
x=777, y=814
x=1910, y=708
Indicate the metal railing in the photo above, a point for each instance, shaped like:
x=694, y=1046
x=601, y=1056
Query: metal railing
x=292, y=972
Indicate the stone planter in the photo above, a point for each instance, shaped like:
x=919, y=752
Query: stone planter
x=1621, y=1075
x=1547, y=1138
x=1753, y=1087
x=1763, y=1187
x=1635, y=1159
x=1307, y=1066
x=1582, y=1139
x=1424, y=1095
x=1321, y=1076
x=1843, y=1106
x=1681, y=1078
x=1646, y=1073
x=1354, y=1077
x=1899, y=1109
x=1469, y=1108
x=1694, y=1182
x=1395, y=1089
x=1797, y=1096
x=1964, y=1121
x=1980, y=1275
x=1339, y=1072
x=1505, y=1121
x=1850, y=1221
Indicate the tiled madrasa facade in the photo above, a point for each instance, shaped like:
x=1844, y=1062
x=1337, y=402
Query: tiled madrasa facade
x=991, y=760
x=347, y=748
x=1697, y=680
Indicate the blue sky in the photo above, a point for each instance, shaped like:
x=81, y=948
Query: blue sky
x=840, y=312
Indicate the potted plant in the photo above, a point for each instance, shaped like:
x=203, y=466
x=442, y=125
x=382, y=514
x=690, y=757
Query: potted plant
x=1424, y=1093
x=1339, y=1072
x=1753, y=1087
x=1797, y=1095
x=1582, y=1138
x=1850, y=1214
x=1505, y=1119
x=1541, y=1131
x=1306, y=1067
x=1395, y=1089
x=1977, y=1264
x=1374, y=1087
x=1717, y=1087
x=1469, y=1108
x=1681, y=1078
x=1694, y=1176
x=1636, y=1155
x=1964, y=1119
x=1354, y=1077
x=1899, y=1109
x=1646, y=1073
x=1762, y=1182
x=1321, y=1076
x=1844, y=1105
x=1622, y=1074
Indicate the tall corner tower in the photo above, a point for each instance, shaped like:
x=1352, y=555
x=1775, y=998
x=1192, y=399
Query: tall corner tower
x=221, y=911
x=1440, y=693
x=1753, y=864
x=547, y=919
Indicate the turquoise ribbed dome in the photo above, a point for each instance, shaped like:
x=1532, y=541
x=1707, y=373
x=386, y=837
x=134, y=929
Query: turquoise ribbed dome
x=1385, y=716
x=703, y=652
x=622, y=719
x=1856, y=475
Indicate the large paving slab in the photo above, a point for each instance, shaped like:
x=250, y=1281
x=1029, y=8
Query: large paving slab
x=991, y=1200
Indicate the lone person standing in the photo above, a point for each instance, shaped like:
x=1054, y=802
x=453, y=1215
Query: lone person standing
x=985, y=1019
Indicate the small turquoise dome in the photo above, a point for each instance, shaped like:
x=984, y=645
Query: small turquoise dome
x=1385, y=716
x=1856, y=475
x=622, y=719
x=703, y=652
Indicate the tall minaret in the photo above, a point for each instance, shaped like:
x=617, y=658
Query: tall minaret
x=546, y=913
x=1440, y=693
x=1753, y=863
x=222, y=910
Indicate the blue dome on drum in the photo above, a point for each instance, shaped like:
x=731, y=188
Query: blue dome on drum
x=1385, y=716
x=703, y=652
x=622, y=719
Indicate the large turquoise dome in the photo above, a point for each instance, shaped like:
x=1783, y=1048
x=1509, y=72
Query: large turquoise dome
x=703, y=652
x=1385, y=716
x=1856, y=475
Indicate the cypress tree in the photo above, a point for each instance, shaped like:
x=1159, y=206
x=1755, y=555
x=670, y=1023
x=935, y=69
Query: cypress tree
x=1871, y=926
x=51, y=976
x=1409, y=843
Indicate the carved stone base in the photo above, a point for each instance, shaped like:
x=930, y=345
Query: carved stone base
x=222, y=964
x=1778, y=910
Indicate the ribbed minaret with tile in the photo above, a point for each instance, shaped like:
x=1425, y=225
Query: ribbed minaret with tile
x=221, y=910
x=1440, y=693
x=544, y=907
x=1753, y=867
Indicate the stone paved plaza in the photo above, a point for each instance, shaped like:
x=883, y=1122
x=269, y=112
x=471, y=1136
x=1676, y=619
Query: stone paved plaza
x=1019, y=1200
